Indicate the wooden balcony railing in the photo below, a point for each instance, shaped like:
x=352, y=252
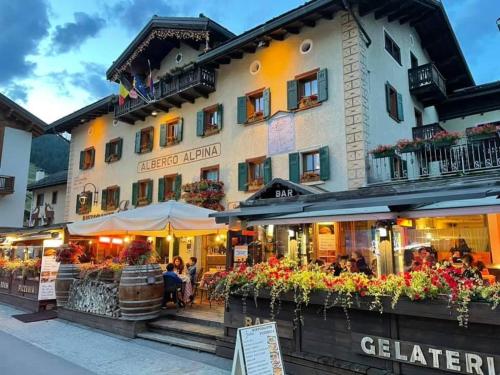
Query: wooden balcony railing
x=426, y=131
x=427, y=84
x=6, y=185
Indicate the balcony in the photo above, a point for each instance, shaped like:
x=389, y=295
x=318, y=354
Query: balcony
x=431, y=160
x=6, y=185
x=426, y=131
x=170, y=92
x=427, y=84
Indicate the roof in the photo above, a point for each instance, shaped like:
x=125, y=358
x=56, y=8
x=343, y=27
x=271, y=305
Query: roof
x=58, y=178
x=427, y=16
x=202, y=23
x=29, y=121
x=90, y=112
x=470, y=101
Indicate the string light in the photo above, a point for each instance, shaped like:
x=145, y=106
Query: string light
x=169, y=238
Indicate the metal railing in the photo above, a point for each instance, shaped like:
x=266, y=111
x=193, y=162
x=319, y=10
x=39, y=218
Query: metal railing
x=426, y=75
x=6, y=185
x=433, y=160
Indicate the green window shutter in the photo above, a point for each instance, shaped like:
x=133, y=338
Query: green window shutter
x=267, y=102
x=82, y=159
x=149, y=193
x=293, y=95
x=135, y=193
x=219, y=116
x=200, y=123
x=242, y=110
x=242, y=176
x=78, y=204
x=401, y=116
x=294, y=167
x=92, y=157
x=324, y=163
x=161, y=189
x=120, y=148
x=163, y=135
x=107, y=152
x=104, y=199
x=116, y=198
x=178, y=186
x=388, y=97
x=181, y=130
x=322, y=85
x=151, y=138
x=138, y=142
x=268, y=172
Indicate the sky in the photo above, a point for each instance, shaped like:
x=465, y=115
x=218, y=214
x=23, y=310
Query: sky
x=54, y=53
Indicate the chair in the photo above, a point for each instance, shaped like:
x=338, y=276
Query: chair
x=171, y=292
x=196, y=284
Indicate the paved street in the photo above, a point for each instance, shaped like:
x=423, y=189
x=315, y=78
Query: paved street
x=58, y=347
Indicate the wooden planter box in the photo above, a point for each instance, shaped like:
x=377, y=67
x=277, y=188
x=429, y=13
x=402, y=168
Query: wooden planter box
x=481, y=137
x=312, y=344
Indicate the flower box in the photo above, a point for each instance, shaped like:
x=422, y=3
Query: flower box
x=385, y=154
x=310, y=177
x=308, y=101
x=481, y=137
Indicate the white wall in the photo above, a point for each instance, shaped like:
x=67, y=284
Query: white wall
x=15, y=162
x=383, y=67
x=462, y=123
x=319, y=126
x=58, y=208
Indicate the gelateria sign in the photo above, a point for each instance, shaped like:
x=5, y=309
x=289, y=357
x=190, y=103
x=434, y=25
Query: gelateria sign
x=432, y=357
x=184, y=157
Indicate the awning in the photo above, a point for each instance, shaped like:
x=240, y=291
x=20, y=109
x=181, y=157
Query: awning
x=180, y=219
x=342, y=214
x=486, y=205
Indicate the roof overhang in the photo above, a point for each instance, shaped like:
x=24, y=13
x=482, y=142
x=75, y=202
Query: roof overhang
x=26, y=120
x=92, y=111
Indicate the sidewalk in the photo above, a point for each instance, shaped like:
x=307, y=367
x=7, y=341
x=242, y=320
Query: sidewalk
x=106, y=354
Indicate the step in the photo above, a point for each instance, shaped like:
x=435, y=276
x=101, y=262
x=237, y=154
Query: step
x=185, y=328
x=192, y=319
x=177, y=341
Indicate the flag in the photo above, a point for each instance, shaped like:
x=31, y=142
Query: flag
x=140, y=88
x=150, y=82
x=122, y=94
x=133, y=94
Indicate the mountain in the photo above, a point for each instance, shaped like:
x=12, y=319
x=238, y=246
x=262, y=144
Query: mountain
x=50, y=152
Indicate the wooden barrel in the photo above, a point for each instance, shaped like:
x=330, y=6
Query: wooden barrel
x=65, y=276
x=141, y=292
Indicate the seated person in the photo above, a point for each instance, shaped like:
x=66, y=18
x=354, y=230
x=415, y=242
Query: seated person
x=361, y=265
x=343, y=265
x=179, y=265
x=172, y=286
x=468, y=271
x=192, y=269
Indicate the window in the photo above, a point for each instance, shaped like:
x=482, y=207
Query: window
x=392, y=48
x=144, y=140
x=394, y=103
x=171, y=132
x=307, y=89
x=169, y=187
x=142, y=192
x=254, y=173
x=209, y=120
x=110, y=199
x=113, y=150
x=39, y=199
x=87, y=158
x=413, y=61
x=210, y=173
x=84, y=203
x=418, y=118
x=54, y=197
x=309, y=166
x=254, y=106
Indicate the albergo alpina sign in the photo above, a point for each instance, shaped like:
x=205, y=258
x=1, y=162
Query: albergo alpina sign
x=179, y=158
x=446, y=359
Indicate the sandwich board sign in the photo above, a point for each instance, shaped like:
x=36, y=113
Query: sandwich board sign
x=258, y=351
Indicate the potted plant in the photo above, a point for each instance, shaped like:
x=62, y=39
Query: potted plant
x=254, y=184
x=309, y=177
x=482, y=133
x=141, y=283
x=408, y=145
x=445, y=139
x=383, y=151
x=69, y=269
x=308, y=101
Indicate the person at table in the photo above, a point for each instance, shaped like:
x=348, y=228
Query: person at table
x=343, y=265
x=468, y=270
x=172, y=286
x=361, y=265
x=179, y=265
x=192, y=269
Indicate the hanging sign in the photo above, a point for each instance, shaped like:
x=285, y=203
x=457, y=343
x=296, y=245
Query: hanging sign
x=258, y=351
x=281, y=135
x=48, y=275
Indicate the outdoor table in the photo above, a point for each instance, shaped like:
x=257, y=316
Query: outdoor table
x=187, y=288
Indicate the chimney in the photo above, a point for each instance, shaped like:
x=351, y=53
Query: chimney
x=39, y=175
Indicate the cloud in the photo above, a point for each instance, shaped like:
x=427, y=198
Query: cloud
x=17, y=92
x=134, y=14
x=24, y=25
x=72, y=35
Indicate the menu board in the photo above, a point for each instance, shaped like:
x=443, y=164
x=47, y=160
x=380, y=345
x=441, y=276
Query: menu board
x=281, y=135
x=240, y=253
x=48, y=275
x=258, y=351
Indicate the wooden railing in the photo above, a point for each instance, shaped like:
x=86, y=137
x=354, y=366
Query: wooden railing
x=426, y=131
x=426, y=75
x=6, y=185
